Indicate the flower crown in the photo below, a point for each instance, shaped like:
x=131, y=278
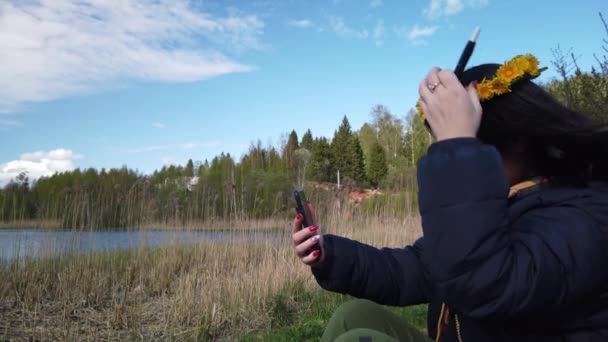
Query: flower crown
x=521, y=66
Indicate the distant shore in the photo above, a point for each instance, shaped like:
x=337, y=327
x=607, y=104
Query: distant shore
x=266, y=224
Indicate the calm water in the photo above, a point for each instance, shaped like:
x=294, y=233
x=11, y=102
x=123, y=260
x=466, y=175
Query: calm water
x=16, y=243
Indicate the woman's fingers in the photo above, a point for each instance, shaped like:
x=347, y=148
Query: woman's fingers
x=449, y=79
x=306, y=245
x=424, y=92
x=297, y=224
x=472, y=90
x=299, y=236
x=305, y=238
x=300, y=233
x=451, y=110
x=429, y=85
x=432, y=79
x=311, y=258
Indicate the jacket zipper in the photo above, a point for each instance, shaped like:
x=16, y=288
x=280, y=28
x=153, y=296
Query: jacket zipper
x=439, y=324
x=458, y=328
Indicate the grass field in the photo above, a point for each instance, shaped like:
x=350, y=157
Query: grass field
x=234, y=290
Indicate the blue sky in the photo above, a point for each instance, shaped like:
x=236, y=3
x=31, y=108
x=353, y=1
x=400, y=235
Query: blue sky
x=146, y=83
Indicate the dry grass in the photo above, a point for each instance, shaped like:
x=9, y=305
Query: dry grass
x=245, y=224
x=207, y=291
x=241, y=224
x=46, y=224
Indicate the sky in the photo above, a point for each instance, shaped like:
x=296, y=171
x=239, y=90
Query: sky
x=107, y=83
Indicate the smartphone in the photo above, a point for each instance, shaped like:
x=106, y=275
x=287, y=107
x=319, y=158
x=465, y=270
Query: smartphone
x=302, y=208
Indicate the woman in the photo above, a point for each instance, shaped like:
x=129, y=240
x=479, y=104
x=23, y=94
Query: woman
x=514, y=203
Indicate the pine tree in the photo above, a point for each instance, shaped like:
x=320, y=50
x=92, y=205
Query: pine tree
x=189, y=171
x=356, y=165
x=307, y=140
x=348, y=155
x=322, y=161
x=367, y=137
x=289, y=153
x=377, y=165
x=339, y=147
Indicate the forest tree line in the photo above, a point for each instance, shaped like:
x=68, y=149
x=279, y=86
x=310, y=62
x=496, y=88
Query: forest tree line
x=258, y=185
x=382, y=153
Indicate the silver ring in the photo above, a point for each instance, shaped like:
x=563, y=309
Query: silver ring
x=432, y=87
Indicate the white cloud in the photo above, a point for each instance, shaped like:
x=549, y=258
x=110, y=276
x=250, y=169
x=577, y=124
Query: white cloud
x=439, y=8
x=159, y=125
x=417, y=34
x=55, y=48
x=39, y=164
x=477, y=3
x=184, y=146
x=302, y=23
x=379, y=32
x=5, y=122
x=345, y=31
x=375, y=3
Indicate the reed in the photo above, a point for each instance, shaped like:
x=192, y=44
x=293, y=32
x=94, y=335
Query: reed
x=31, y=223
x=123, y=199
x=206, y=291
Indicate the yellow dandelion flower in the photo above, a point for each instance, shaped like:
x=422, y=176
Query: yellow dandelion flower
x=509, y=72
x=499, y=86
x=419, y=109
x=521, y=63
x=484, y=90
x=533, y=65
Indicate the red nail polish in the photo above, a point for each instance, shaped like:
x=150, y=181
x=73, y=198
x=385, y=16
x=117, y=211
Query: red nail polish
x=315, y=253
x=475, y=84
x=313, y=228
x=299, y=217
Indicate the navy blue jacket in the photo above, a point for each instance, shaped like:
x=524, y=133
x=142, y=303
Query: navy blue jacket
x=528, y=268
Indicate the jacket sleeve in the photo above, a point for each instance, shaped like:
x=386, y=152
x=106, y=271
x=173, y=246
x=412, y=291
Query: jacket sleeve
x=484, y=266
x=391, y=276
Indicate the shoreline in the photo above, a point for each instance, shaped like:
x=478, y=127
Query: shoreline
x=274, y=224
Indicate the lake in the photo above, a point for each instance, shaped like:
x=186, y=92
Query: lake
x=15, y=243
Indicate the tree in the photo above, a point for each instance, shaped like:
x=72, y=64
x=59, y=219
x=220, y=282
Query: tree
x=340, y=147
x=189, y=170
x=307, y=140
x=290, y=151
x=322, y=161
x=356, y=165
x=389, y=131
x=302, y=158
x=348, y=155
x=585, y=92
x=377, y=165
x=367, y=137
x=417, y=138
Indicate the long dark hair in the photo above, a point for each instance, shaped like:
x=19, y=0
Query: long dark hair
x=559, y=143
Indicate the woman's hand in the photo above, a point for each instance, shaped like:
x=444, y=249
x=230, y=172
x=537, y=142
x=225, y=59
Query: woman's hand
x=451, y=110
x=305, y=238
